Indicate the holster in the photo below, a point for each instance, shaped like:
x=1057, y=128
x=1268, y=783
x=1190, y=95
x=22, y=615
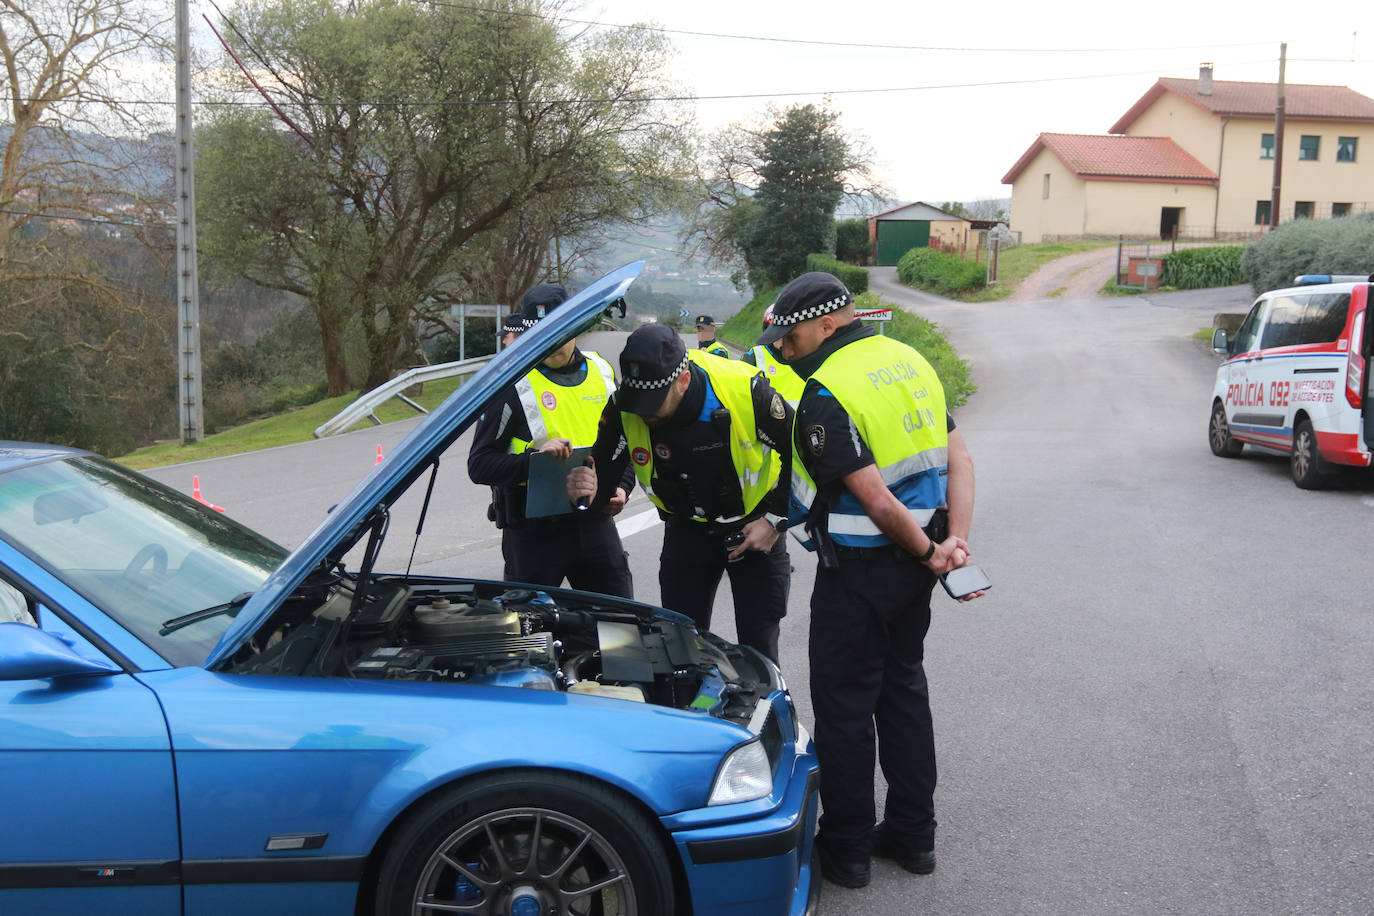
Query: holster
x=938, y=529
x=817, y=527
x=502, y=511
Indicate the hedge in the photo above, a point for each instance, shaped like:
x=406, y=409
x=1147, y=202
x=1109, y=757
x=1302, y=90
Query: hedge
x=1310, y=246
x=855, y=278
x=943, y=273
x=1201, y=268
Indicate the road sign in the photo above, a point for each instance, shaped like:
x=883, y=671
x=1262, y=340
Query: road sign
x=874, y=314
x=683, y=313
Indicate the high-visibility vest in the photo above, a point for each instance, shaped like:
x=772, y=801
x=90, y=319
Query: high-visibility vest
x=782, y=377
x=716, y=348
x=569, y=412
x=756, y=465
x=897, y=404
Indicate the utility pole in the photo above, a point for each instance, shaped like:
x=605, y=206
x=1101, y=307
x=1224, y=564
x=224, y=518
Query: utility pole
x=1276, y=193
x=190, y=413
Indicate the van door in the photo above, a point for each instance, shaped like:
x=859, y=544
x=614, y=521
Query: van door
x=1242, y=375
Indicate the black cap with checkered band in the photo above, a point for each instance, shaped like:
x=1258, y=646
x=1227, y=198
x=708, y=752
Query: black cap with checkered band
x=809, y=296
x=653, y=358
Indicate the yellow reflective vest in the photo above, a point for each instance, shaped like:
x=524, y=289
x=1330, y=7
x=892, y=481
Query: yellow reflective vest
x=782, y=377
x=897, y=404
x=572, y=413
x=756, y=465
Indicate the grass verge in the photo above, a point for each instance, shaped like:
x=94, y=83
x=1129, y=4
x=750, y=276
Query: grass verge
x=1016, y=264
x=924, y=336
x=283, y=429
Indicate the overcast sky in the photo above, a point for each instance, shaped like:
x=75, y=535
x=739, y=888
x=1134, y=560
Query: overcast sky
x=1093, y=60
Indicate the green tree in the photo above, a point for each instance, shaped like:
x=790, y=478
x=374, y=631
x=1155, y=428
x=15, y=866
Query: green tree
x=414, y=142
x=769, y=194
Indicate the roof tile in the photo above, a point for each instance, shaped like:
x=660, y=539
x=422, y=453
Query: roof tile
x=1111, y=156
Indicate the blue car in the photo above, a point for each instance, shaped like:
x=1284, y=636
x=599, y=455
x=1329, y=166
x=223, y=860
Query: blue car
x=196, y=720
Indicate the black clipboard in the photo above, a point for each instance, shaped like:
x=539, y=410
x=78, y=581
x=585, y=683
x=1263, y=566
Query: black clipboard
x=548, y=485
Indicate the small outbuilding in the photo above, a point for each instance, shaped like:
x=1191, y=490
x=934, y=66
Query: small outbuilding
x=894, y=232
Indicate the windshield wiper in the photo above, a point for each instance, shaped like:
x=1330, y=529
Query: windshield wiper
x=176, y=623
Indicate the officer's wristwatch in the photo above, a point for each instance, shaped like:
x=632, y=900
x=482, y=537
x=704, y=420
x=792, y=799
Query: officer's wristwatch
x=779, y=522
x=930, y=552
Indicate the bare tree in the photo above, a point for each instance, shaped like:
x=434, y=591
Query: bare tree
x=74, y=146
x=82, y=339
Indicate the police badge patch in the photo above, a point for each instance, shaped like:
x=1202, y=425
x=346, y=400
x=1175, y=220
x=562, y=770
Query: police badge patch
x=815, y=438
x=776, y=408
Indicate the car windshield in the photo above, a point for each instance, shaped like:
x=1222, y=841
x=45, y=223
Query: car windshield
x=142, y=553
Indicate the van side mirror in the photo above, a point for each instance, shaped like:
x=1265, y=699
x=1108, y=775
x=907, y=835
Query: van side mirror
x=1220, y=344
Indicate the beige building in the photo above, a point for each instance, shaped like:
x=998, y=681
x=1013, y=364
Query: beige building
x=1197, y=157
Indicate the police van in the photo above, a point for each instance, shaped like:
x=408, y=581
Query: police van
x=1294, y=379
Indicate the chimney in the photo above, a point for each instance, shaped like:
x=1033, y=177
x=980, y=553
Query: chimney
x=1204, y=79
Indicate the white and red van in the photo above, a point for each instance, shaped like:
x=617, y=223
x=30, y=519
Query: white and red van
x=1294, y=379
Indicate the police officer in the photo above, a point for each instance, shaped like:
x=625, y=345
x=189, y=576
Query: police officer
x=512, y=326
x=877, y=459
x=706, y=337
x=781, y=376
x=703, y=436
x=553, y=409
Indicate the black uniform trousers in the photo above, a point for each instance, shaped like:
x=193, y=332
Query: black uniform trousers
x=689, y=572
x=869, y=619
x=585, y=549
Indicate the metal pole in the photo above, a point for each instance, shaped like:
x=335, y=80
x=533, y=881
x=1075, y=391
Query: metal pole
x=190, y=411
x=463, y=331
x=1278, y=140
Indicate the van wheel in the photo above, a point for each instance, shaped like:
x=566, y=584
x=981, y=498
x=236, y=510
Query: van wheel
x=1219, y=434
x=1306, y=461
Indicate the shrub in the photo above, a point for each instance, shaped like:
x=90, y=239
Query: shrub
x=1200, y=268
x=851, y=240
x=856, y=278
x=935, y=270
x=1310, y=246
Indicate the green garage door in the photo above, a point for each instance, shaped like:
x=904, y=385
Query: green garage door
x=897, y=237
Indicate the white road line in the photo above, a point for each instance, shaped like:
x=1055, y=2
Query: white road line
x=637, y=523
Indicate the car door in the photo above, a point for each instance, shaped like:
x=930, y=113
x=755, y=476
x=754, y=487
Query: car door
x=86, y=787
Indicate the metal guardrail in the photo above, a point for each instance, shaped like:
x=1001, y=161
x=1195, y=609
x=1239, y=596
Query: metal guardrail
x=364, y=406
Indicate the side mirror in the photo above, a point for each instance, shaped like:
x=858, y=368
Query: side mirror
x=27, y=652
x=1219, y=342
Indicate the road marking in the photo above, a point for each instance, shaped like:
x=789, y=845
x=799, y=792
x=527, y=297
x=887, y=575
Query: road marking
x=637, y=523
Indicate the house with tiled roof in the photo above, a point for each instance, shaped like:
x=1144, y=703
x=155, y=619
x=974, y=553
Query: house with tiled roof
x=1196, y=158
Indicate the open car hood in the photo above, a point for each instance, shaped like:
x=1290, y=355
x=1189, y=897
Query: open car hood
x=348, y=521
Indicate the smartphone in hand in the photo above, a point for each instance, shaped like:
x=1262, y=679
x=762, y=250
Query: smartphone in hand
x=964, y=581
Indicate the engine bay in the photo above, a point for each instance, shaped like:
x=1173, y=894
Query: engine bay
x=488, y=633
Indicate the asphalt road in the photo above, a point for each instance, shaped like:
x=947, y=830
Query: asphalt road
x=1163, y=705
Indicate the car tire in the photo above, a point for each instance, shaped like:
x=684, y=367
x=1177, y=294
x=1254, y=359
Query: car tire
x=1309, y=470
x=471, y=847
x=1219, y=434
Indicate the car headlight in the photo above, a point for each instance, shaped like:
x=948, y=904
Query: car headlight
x=744, y=775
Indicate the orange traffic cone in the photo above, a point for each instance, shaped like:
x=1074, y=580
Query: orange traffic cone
x=379, y=454
x=195, y=494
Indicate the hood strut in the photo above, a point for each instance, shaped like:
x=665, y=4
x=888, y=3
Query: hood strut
x=424, y=510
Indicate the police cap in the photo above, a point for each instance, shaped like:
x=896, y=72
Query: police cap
x=809, y=296
x=541, y=300
x=654, y=356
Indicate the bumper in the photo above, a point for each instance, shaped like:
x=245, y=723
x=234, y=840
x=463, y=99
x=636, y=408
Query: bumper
x=761, y=865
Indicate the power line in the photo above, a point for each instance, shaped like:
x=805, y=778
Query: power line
x=826, y=42
x=444, y=103
x=84, y=219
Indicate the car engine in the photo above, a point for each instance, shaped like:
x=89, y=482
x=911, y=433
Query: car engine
x=490, y=634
